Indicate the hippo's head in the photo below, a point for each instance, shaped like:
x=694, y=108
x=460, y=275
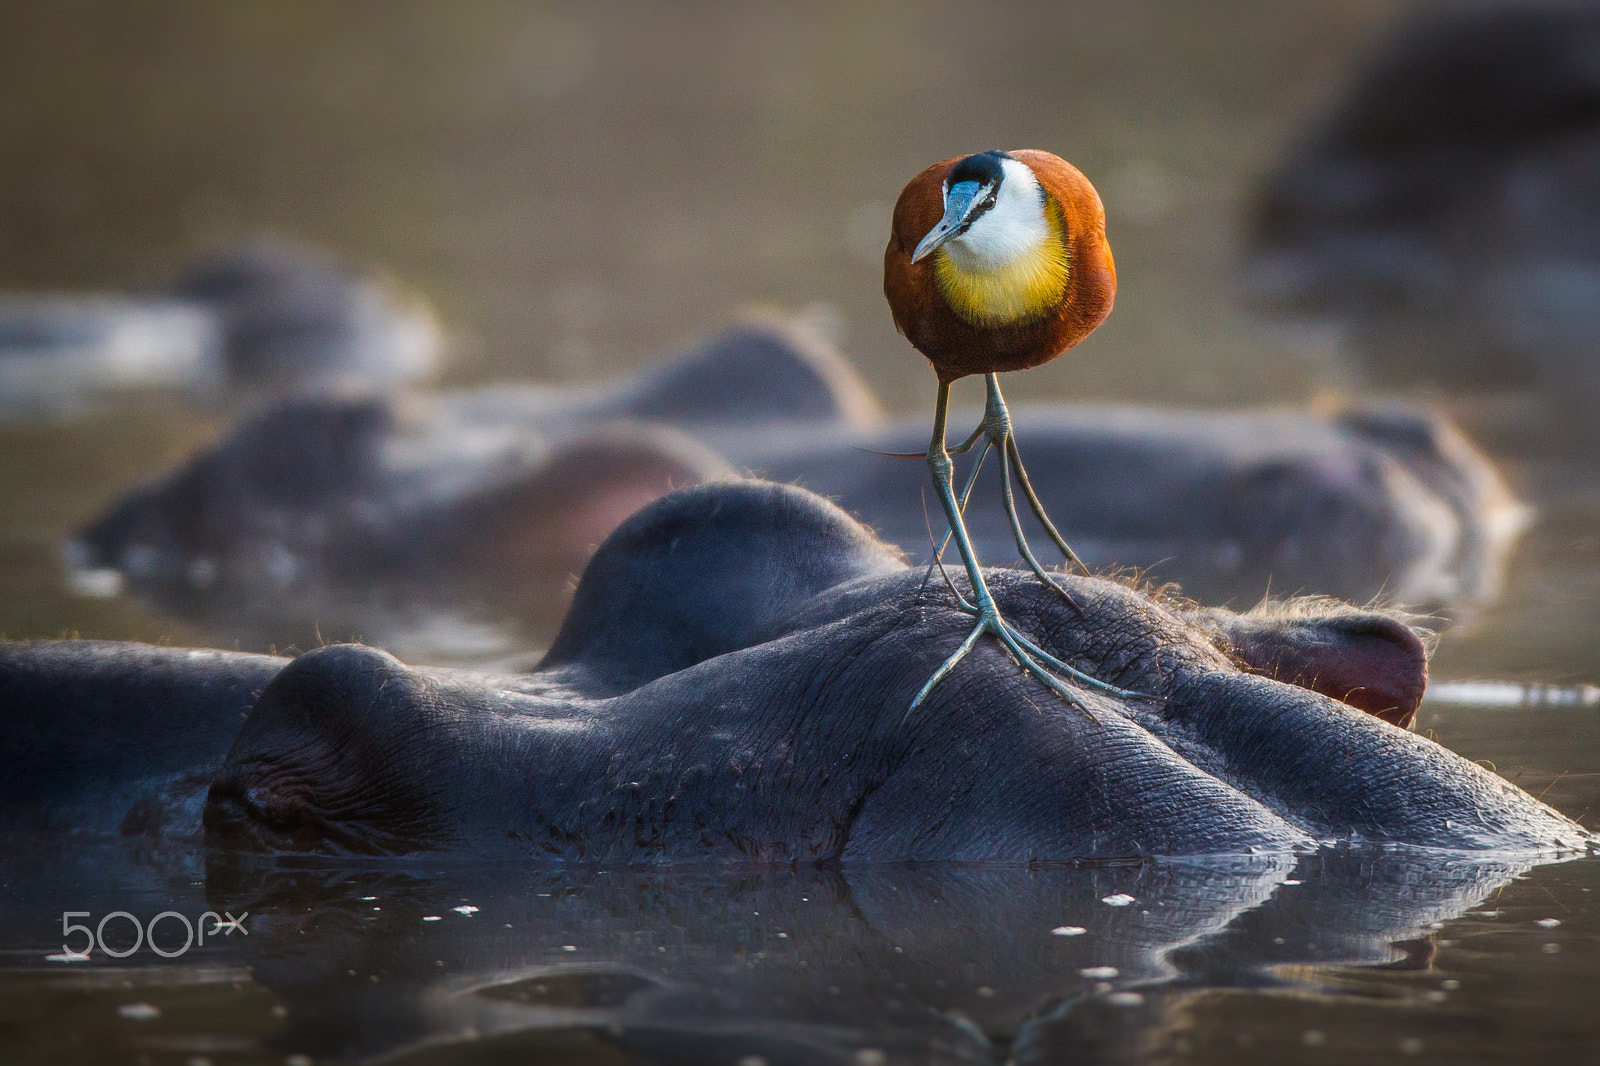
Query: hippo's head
x=733, y=680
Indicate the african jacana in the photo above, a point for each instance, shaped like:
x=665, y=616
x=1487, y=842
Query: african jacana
x=997, y=261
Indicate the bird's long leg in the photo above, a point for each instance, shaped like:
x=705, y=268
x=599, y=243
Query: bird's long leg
x=997, y=421
x=989, y=620
x=966, y=494
x=996, y=409
x=1016, y=530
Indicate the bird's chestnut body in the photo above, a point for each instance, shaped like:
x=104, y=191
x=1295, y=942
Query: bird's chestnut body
x=974, y=315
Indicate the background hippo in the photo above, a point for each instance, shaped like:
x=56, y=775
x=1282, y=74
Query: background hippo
x=1446, y=211
x=264, y=315
x=369, y=517
x=731, y=683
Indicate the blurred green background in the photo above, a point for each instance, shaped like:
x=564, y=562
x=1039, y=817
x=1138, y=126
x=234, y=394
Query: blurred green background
x=578, y=188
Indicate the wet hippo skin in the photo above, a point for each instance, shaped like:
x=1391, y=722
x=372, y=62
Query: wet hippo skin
x=121, y=738
x=732, y=683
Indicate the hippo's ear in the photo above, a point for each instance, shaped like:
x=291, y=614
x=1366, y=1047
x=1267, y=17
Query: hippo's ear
x=1370, y=660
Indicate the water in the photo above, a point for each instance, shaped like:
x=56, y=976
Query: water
x=1330, y=957
x=577, y=191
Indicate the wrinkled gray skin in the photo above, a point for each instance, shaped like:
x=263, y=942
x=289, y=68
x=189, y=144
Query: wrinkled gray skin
x=732, y=681
x=1447, y=210
x=344, y=512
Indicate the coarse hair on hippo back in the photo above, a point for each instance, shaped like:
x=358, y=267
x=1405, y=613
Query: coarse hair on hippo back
x=733, y=682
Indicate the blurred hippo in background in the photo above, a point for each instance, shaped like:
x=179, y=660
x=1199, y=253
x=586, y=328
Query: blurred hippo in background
x=294, y=316
x=1446, y=212
x=732, y=684
x=377, y=517
x=266, y=315
x=1385, y=502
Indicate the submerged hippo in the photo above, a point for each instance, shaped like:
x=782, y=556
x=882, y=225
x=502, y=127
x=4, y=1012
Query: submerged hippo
x=732, y=683
x=293, y=315
x=345, y=512
x=268, y=314
x=1446, y=211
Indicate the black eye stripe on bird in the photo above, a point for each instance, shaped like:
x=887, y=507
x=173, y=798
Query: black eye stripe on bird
x=1032, y=282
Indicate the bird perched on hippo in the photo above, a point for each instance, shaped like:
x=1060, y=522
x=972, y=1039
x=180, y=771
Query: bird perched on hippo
x=997, y=261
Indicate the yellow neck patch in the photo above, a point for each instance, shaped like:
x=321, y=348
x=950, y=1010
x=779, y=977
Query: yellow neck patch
x=1028, y=287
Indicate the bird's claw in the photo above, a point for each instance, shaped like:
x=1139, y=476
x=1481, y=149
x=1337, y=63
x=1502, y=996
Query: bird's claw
x=1023, y=651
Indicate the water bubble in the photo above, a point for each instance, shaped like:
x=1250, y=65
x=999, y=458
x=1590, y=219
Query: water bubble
x=432, y=918
x=1069, y=930
x=1548, y=923
x=466, y=910
x=1125, y=999
x=1121, y=899
x=139, y=1012
x=1099, y=973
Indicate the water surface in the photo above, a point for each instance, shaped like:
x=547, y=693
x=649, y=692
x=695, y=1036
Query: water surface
x=1336, y=956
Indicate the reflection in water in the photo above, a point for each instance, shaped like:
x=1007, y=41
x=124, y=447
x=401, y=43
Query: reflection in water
x=869, y=964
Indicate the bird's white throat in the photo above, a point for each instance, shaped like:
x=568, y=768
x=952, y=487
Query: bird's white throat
x=1015, y=227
